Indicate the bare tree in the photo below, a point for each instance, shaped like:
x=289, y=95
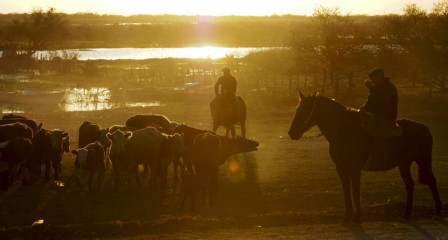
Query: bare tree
x=330, y=44
x=40, y=30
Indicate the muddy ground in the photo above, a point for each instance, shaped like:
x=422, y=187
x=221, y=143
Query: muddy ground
x=285, y=190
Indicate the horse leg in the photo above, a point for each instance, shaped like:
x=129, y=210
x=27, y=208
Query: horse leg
x=405, y=173
x=435, y=195
x=356, y=192
x=426, y=176
x=243, y=129
x=345, y=180
x=227, y=132
x=232, y=131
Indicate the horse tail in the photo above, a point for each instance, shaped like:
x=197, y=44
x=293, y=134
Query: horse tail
x=424, y=157
x=242, y=106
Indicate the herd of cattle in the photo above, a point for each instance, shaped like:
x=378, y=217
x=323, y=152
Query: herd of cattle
x=151, y=141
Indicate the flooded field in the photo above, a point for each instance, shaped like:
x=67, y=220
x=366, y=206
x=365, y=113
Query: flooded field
x=72, y=100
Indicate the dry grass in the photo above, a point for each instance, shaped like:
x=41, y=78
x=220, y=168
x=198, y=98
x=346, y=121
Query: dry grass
x=285, y=189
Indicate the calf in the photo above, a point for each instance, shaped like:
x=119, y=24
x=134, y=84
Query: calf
x=90, y=133
x=117, y=153
x=89, y=161
x=49, y=147
x=155, y=149
x=15, y=158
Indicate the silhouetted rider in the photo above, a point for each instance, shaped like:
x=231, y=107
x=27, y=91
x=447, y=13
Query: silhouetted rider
x=382, y=102
x=228, y=84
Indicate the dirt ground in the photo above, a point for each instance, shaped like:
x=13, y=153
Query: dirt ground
x=285, y=190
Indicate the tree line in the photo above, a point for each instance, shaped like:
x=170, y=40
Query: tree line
x=327, y=50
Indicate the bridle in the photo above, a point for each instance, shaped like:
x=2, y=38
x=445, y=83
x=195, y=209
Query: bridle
x=308, y=119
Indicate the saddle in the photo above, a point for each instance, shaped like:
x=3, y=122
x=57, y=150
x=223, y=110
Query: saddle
x=381, y=132
x=369, y=125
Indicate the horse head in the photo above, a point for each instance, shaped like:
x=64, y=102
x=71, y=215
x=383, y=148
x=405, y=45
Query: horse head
x=305, y=116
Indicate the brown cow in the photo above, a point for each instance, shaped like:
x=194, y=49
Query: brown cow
x=117, y=153
x=155, y=149
x=208, y=152
x=12, y=130
x=30, y=123
x=90, y=132
x=49, y=146
x=203, y=153
x=15, y=158
x=89, y=162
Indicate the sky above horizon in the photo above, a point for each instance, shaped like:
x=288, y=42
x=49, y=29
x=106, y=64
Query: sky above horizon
x=213, y=7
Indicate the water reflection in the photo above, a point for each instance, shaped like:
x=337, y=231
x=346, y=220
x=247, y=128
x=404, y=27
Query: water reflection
x=206, y=52
x=96, y=99
x=7, y=109
x=82, y=99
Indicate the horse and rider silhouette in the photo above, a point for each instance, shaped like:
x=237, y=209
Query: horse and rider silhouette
x=350, y=147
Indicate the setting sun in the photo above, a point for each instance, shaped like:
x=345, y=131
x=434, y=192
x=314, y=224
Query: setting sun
x=214, y=8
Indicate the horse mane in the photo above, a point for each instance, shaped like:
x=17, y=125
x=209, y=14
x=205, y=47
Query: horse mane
x=350, y=114
x=337, y=105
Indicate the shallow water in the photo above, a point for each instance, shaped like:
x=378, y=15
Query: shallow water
x=82, y=100
x=206, y=52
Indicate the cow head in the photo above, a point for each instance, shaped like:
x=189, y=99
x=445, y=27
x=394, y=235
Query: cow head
x=119, y=140
x=102, y=137
x=57, y=139
x=234, y=146
x=246, y=145
x=66, y=144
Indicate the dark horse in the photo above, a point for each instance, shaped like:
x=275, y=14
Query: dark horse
x=226, y=118
x=349, y=149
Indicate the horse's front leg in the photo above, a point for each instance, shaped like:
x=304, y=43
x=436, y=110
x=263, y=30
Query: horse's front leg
x=232, y=131
x=355, y=178
x=243, y=129
x=345, y=181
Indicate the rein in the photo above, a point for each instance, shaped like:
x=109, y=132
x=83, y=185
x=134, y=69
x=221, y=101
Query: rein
x=308, y=119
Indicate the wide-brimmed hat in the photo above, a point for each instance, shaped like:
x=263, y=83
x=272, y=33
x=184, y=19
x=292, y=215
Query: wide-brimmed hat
x=225, y=69
x=376, y=72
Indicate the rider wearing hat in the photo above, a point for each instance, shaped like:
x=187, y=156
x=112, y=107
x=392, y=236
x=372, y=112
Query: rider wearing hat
x=228, y=87
x=382, y=102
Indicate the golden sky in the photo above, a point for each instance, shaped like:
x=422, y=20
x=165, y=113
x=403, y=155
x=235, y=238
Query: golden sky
x=212, y=7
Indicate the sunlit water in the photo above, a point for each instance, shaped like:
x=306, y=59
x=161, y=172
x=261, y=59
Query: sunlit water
x=80, y=100
x=95, y=99
x=207, y=52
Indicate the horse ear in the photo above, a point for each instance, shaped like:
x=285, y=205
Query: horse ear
x=301, y=95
